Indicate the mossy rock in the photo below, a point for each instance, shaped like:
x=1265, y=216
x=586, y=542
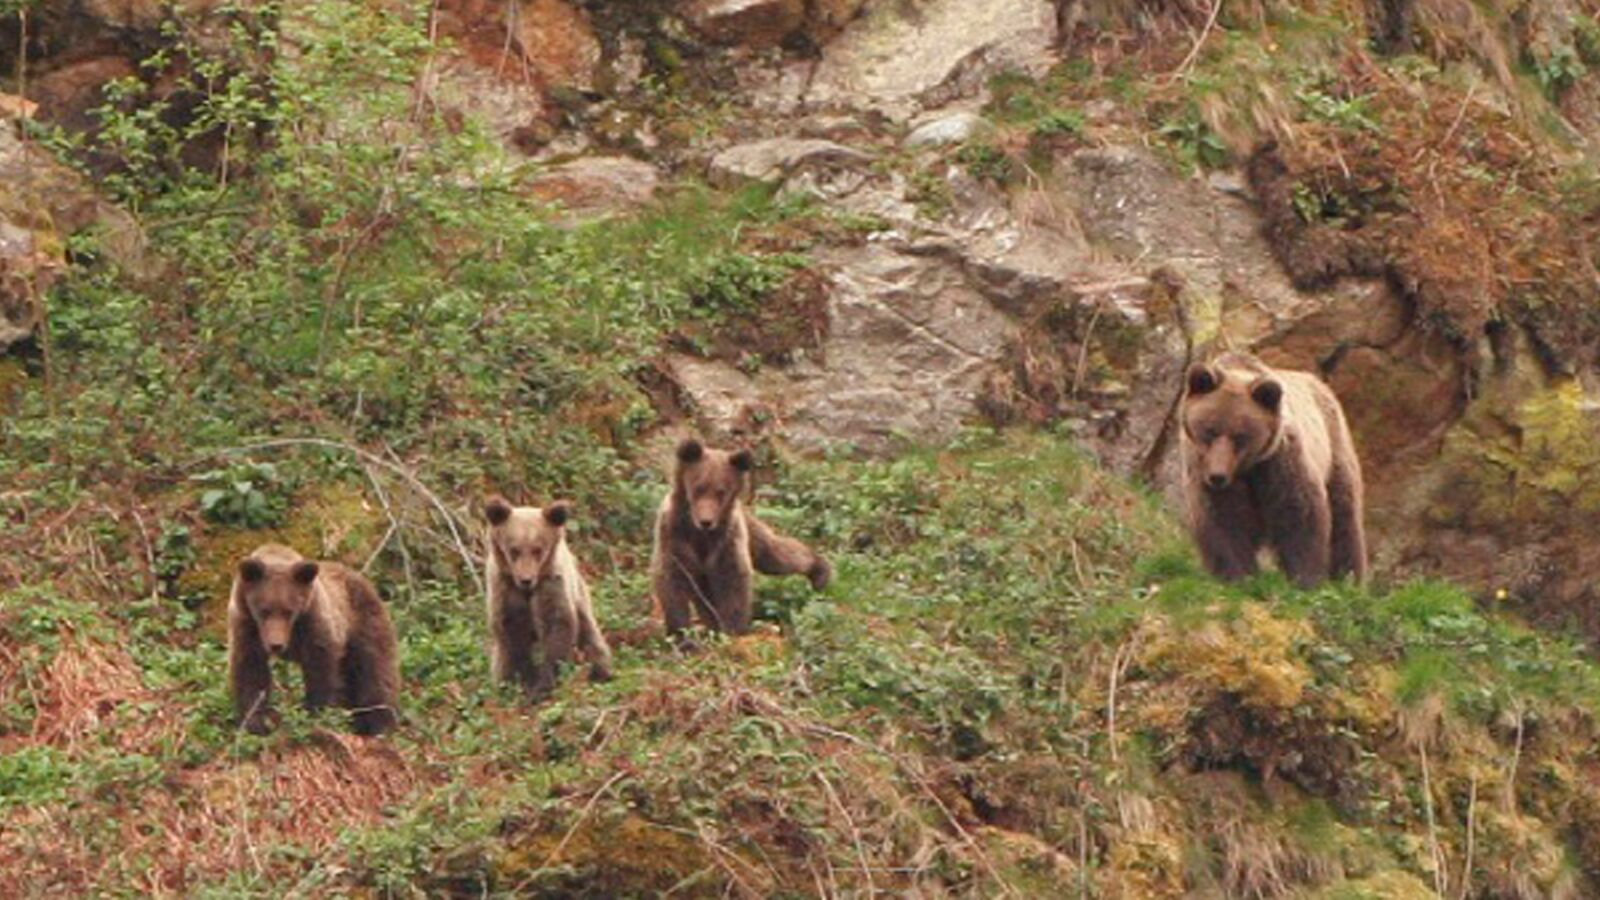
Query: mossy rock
x=1383, y=886
x=621, y=857
x=332, y=521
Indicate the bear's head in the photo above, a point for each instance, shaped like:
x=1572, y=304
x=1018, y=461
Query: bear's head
x=524, y=539
x=1232, y=419
x=709, y=482
x=276, y=593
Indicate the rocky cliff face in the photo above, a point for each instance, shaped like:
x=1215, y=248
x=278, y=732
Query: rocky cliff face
x=1064, y=273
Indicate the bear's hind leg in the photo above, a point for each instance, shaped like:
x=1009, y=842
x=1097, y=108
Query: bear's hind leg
x=1348, y=553
x=593, y=644
x=372, y=684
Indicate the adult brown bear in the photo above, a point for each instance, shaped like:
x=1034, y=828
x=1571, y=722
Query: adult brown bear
x=1268, y=461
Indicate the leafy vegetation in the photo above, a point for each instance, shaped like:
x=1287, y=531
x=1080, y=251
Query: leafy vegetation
x=1019, y=684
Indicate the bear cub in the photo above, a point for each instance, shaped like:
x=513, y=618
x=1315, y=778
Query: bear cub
x=707, y=544
x=1268, y=461
x=326, y=618
x=537, y=595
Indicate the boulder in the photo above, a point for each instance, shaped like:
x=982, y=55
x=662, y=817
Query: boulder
x=746, y=23
x=545, y=44
x=943, y=130
x=898, y=58
x=771, y=161
x=595, y=187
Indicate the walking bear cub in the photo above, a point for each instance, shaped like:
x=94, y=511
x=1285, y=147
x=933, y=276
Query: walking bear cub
x=537, y=595
x=707, y=544
x=1268, y=461
x=326, y=618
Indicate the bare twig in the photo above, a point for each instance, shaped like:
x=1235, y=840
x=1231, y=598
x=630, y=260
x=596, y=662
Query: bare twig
x=772, y=709
x=1194, y=53
x=855, y=833
x=1509, y=798
x=1083, y=348
x=1472, y=828
x=1119, y=664
x=394, y=467
x=583, y=816
x=1439, y=874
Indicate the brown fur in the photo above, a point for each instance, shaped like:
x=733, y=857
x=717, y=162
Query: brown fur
x=537, y=594
x=326, y=618
x=708, y=544
x=1268, y=461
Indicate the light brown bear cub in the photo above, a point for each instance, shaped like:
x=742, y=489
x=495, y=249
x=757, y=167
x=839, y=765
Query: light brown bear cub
x=538, y=595
x=707, y=544
x=326, y=618
x=1268, y=461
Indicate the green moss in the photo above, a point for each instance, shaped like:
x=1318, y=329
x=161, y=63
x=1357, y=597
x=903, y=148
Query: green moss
x=332, y=521
x=1544, y=466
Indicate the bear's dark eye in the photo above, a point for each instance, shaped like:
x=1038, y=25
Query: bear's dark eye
x=538, y=550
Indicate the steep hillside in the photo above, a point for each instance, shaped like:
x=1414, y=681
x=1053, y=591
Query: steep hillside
x=331, y=272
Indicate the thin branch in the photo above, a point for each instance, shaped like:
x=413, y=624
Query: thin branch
x=1194, y=53
x=373, y=459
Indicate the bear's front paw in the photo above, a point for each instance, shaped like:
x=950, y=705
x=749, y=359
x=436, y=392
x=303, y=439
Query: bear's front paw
x=599, y=672
x=821, y=574
x=264, y=722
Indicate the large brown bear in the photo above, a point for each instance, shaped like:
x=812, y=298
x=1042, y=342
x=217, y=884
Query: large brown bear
x=1268, y=461
x=326, y=618
x=536, y=594
x=707, y=544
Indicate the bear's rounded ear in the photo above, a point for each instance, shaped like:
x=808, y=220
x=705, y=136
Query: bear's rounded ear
x=1203, y=379
x=691, y=451
x=743, y=460
x=252, y=570
x=1267, y=392
x=496, y=510
x=304, y=573
x=558, y=513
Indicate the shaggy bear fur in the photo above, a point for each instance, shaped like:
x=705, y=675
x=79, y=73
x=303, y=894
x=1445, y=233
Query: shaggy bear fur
x=326, y=618
x=537, y=595
x=707, y=544
x=1268, y=461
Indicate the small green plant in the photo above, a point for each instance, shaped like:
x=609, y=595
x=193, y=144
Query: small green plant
x=1559, y=71
x=1349, y=113
x=1060, y=122
x=986, y=161
x=1320, y=207
x=248, y=495
x=1586, y=39
x=1194, y=143
x=739, y=282
x=931, y=193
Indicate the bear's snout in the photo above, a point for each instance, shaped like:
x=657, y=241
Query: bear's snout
x=706, y=524
x=1216, y=481
x=276, y=648
x=527, y=584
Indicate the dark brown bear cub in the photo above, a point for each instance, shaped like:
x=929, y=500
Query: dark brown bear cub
x=708, y=544
x=324, y=617
x=1268, y=462
x=537, y=596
